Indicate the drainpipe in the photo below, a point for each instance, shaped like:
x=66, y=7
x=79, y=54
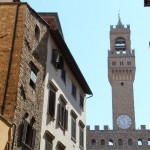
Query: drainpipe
x=10, y=60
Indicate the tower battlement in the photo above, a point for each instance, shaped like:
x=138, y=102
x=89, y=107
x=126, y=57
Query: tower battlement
x=106, y=128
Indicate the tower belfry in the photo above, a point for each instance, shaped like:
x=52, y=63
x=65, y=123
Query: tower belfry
x=121, y=73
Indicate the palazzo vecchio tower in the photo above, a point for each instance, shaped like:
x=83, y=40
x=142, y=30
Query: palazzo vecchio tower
x=121, y=73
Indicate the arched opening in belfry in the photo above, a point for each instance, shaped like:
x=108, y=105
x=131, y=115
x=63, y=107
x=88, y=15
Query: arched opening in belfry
x=120, y=44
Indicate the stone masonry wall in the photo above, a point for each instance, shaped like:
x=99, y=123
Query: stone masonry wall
x=34, y=51
x=111, y=135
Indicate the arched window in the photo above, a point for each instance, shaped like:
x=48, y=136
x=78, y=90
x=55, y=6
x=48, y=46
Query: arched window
x=111, y=142
x=130, y=142
x=93, y=142
x=140, y=142
x=102, y=142
x=37, y=32
x=120, y=44
x=120, y=142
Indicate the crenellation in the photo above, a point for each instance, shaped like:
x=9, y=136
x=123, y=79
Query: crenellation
x=96, y=127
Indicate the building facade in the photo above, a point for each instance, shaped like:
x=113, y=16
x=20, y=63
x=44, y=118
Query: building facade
x=41, y=87
x=121, y=73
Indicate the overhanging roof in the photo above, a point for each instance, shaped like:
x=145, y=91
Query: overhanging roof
x=70, y=60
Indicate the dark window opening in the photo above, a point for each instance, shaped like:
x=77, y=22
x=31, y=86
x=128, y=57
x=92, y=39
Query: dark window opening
x=120, y=142
x=62, y=116
x=52, y=99
x=49, y=141
x=102, y=142
x=129, y=63
x=73, y=126
x=57, y=59
x=63, y=75
x=121, y=63
x=81, y=137
x=122, y=83
x=113, y=63
x=81, y=102
x=28, y=136
x=130, y=142
x=120, y=44
x=23, y=93
x=73, y=90
x=93, y=142
x=37, y=32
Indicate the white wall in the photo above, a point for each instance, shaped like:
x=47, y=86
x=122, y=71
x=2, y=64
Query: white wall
x=72, y=104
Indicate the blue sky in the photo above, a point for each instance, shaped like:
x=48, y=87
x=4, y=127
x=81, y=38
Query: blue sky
x=86, y=26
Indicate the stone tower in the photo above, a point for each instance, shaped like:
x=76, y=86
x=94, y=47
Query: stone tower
x=121, y=73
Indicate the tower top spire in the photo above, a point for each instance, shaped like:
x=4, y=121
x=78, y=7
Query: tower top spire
x=119, y=25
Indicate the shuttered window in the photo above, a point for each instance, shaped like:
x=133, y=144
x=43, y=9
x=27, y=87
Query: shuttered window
x=73, y=127
x=48, y=145
x=81, y=102
x=63, y=75
x=74, y=90
x=52, y=97
x=29, y=133
x=81, y=134
x=33, y=75
x=57, y=59
x=62, y=116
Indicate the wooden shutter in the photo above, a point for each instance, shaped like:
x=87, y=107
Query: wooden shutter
x=60, y=63
x=25, y=125
x=33, y=138
x=52, y=97
x=48, y=145
x=66, y=119
x=59, y=114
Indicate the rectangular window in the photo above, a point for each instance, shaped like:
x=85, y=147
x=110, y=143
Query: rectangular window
x=129, y=63
x=113, y=63
x=33, y=75
x=28, y=137
x=73, y=125
x=49, y=141
x=63, y=75
x=73, y=90
x=57, y=59
x=63, y=116
x=81, y=134
x=60, y=146
x=121, y=63
x=81, y=102
x=52, y=97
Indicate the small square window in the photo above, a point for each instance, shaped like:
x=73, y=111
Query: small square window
x=122, y=83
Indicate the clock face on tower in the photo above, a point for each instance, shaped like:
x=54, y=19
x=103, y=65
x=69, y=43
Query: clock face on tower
x=124, y=121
